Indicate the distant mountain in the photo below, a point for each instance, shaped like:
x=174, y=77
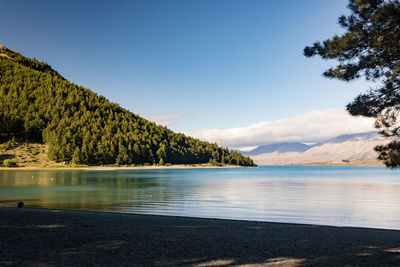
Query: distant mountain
x=38, y=105
x=352, y=147
x=279, y=147
x=354, y=137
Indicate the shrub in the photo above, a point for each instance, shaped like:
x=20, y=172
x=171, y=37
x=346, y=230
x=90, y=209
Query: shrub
x=10, y=144
x=9, y=163
x=35, y=151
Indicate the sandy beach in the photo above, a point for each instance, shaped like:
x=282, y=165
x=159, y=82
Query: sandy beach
x=41, y=237
x=107, y=168
x=205, y=166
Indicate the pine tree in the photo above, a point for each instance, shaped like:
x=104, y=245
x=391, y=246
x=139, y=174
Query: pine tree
x=370, y=48
x=77, y=156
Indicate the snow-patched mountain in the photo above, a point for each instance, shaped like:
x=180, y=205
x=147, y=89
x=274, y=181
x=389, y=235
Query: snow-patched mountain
x=352, y=147
x=279, y=147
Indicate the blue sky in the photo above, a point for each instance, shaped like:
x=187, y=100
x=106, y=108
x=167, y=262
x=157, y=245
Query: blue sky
x=201, y=64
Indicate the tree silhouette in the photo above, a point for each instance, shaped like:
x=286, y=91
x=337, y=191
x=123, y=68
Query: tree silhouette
x=370, y=48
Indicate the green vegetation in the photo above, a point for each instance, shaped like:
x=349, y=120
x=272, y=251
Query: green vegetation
x=81, y=127
x=370, y=47
x=10, y=144
x=9, y=163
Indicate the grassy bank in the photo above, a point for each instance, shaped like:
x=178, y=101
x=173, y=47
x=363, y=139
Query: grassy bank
x=33, y=156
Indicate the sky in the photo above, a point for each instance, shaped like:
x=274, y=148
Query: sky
x=204, y=68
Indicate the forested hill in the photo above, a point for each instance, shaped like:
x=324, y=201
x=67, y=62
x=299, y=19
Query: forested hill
x=81, y=127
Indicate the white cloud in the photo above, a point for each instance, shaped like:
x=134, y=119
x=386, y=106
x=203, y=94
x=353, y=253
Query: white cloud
x=244, y=148
x=164, y=119
x=312, y=126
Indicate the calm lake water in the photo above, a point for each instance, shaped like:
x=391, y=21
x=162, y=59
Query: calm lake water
x=331, y=195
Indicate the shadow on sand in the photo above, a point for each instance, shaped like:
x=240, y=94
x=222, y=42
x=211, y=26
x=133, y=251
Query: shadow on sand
x=50, y=237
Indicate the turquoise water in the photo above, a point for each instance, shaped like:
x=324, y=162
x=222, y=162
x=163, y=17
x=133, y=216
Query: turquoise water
x=333, y=195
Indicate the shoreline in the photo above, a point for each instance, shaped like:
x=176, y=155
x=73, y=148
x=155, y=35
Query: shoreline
x=105, y=168
x=327, y=163
x=33, y=236
x=110, y=212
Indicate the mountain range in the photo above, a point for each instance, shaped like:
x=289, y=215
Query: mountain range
x=344, y=148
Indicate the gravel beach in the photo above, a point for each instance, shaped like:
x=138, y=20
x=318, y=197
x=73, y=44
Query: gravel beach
x=43, y=237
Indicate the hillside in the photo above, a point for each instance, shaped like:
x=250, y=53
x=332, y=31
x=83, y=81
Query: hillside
x=347, y=148
x=37, y=105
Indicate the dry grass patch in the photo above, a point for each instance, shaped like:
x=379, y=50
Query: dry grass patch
x=25, y=154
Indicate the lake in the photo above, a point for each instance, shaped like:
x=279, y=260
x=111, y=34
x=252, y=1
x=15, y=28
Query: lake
x=367, y=196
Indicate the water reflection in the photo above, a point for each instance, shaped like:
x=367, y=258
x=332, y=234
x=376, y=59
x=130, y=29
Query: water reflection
x=351, y=196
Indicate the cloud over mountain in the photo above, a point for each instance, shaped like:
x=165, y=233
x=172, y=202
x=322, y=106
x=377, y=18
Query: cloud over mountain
x=348, y=148
x=312, y=126
x=164, y=119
